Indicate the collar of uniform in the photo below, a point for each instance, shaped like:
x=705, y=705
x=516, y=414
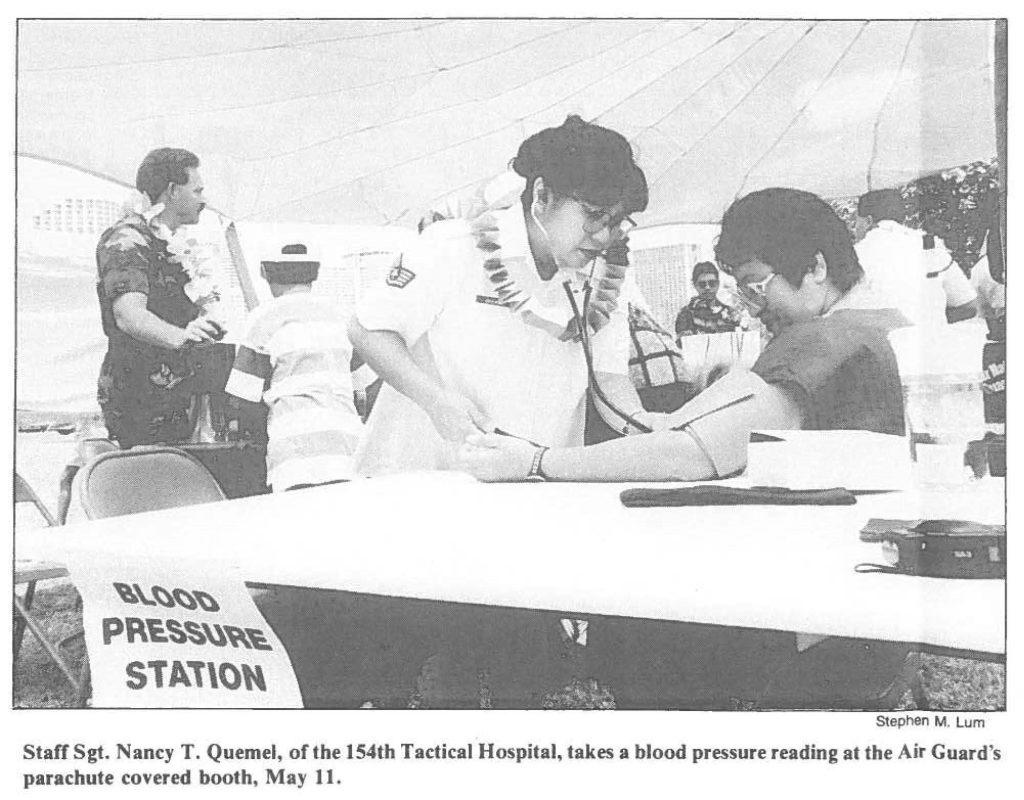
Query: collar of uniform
x=538, y=302
x=513, y=238
x=152, y=212
x=515, y=246
x=515, y=250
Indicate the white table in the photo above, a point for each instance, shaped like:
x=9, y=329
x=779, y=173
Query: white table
x=575, y=548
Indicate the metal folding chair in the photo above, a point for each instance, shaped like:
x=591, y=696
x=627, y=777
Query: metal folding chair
x=144, y=479
x=30, y=573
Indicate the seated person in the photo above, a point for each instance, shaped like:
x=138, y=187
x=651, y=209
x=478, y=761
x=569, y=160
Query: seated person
x=705, y=313
x=295, y=357
x=829, y=365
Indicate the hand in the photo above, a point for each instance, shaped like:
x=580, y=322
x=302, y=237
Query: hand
x=618, y=252
x=490, y=457
x=455, y=417
x=201, y=331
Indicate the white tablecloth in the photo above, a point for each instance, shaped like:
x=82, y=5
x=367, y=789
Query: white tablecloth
x=575, y=548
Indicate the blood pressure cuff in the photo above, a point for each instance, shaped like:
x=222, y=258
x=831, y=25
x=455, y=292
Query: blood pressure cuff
x=723, y=437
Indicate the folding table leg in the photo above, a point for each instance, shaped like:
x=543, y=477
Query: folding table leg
x=54, y=655
x=84, y=684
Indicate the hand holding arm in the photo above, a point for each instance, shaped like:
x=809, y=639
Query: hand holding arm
x=453, y=415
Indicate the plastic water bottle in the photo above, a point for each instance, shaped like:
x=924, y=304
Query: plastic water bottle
x=943, y=402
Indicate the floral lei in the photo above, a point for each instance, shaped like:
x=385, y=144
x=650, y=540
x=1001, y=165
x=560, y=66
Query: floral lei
x=197, y=260
x=604, y=295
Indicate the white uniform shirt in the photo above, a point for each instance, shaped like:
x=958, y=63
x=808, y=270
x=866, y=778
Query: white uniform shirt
x=920, y=283
x=441, y=303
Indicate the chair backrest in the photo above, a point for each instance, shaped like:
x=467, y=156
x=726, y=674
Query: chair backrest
x=23, y=493
x=86, y=450
x=144, y=479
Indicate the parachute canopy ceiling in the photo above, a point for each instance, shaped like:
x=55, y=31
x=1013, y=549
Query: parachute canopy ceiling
x=374, y=121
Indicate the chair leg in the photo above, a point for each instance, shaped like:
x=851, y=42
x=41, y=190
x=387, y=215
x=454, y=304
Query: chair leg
x=48, y=646
x=19, y=622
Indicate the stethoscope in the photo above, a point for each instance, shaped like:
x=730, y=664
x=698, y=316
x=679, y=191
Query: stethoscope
x=580, y=317
x=584, y=337
x=584, y=332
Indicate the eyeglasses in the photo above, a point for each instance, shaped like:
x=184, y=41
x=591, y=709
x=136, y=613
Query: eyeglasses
x=756, y=292
x=598, y=219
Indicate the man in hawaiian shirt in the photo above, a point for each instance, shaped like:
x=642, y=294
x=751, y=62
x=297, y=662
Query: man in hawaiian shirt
x=147, y=381
x=705, y=313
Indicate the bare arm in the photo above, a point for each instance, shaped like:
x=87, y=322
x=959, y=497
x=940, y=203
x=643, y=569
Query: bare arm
x=660, y=456
x=388, y=355
x=677, y=455
x=133, y=318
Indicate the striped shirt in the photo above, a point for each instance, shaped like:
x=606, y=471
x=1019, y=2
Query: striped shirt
x=295, y=357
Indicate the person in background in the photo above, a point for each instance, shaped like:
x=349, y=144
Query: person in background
x=913, y=269
x=705, y=313
x=989, y=279
x=295, y=357
x=988, y=275
x=147, y=385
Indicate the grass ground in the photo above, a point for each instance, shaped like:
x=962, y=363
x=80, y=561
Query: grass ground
x=949, y=683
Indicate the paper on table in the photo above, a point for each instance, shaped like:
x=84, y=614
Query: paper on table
x=855, y=460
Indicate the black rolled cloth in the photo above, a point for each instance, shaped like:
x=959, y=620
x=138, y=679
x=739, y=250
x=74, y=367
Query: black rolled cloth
x=733, y=496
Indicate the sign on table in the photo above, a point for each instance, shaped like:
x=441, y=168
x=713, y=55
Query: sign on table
x=171, y=635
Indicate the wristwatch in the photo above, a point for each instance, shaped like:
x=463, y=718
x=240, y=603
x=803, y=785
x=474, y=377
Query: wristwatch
x=536, y=472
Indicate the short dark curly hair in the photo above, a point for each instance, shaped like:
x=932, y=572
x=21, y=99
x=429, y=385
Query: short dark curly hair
x=786, y=229
x=164, y=166
x=583, y=160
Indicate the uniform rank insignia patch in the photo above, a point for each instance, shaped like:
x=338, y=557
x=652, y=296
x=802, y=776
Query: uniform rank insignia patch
x=399, y=276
